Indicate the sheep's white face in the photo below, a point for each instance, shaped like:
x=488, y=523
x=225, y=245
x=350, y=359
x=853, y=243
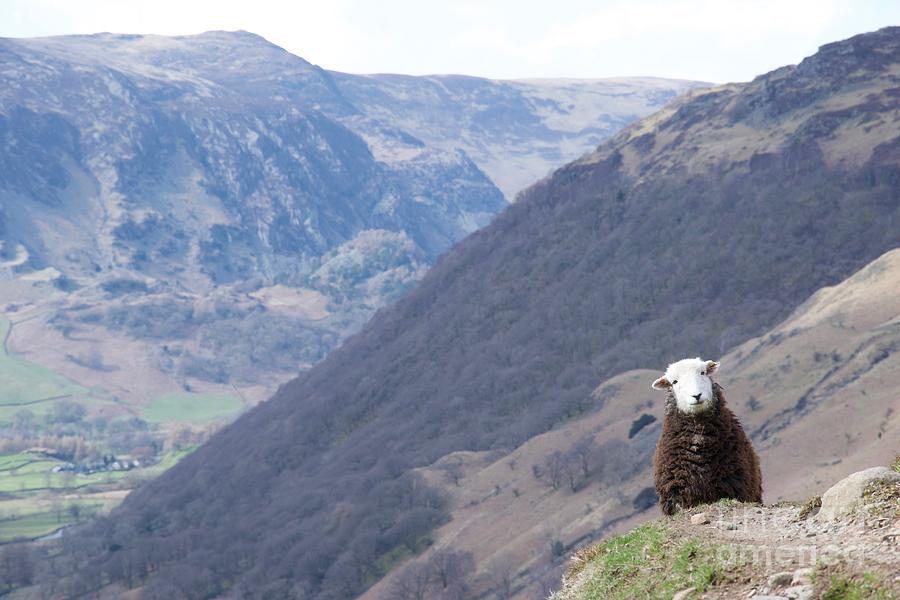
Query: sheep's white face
x=689, y=381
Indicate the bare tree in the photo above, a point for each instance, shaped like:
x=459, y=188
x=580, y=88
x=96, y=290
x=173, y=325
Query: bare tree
x=503, y=575
x=584, y=451
x=453, y=471
x=552, y=535
x=555, y=469
x=412, y=583
x=449, y=568
x=573, y=472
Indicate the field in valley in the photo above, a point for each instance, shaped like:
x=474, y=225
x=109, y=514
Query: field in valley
x=48, y=423
x=35, y=501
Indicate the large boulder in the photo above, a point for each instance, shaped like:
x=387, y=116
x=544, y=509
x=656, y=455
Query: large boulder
x=844, y=496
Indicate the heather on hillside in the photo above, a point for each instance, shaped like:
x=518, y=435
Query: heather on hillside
x=621, y=260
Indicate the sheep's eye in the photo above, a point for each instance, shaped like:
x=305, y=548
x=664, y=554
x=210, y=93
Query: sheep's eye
x=703, y=372
x=674, y=381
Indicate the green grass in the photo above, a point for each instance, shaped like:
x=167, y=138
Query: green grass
x=649, y=562
x=33, y=525
x=19, y=507
x=23, y=473
x=865, y=587
x=169, y=460
x=24, y=381
x=25, y=463
x=34, y=520
x=36, y=480
x=191, y=408
x=14, y=461
x=35, y=492
x=26, y=385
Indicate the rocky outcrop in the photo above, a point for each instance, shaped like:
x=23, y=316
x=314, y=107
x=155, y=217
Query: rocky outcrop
x=846, y=495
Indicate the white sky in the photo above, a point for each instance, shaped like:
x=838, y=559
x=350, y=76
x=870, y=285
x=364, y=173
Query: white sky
x=711, y=40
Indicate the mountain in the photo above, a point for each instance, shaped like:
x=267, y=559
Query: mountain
x=689, y=232
x=152, y=125
x=516, y=131
x=238, y=210
x=813, y=391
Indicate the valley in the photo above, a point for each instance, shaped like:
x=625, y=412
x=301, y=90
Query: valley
x=182, y=229
x=724, y=224
x=473, y=401
x=71, y=452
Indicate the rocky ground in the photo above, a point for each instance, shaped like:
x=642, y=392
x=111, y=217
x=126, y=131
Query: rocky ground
x=845, y=544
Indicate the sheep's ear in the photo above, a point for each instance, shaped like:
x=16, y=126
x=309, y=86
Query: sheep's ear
x=661, y=384
x=711, y=367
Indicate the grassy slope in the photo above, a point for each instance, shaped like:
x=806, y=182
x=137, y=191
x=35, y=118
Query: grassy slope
x=737, y=551
x=34, y=521
x=858, y=587
x=25, y=383
x=192, y=408
x=651, y=561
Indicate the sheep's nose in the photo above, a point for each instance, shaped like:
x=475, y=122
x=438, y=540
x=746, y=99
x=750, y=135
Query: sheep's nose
x=697, y=397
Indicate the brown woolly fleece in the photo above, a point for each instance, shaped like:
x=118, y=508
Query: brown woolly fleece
x=703, y=458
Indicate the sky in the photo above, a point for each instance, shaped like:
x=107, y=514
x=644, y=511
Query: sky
x=708, y=40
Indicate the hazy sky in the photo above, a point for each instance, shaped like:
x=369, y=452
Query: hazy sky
x=712, y=40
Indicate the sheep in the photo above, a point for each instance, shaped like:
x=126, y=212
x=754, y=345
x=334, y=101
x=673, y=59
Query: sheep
x=703, y=454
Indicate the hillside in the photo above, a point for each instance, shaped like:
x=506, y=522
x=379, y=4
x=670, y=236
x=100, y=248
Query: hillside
x=798, y=388
x=210, y=211
x=601, y=268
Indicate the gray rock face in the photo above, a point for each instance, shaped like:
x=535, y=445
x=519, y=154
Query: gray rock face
x=844, y=496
